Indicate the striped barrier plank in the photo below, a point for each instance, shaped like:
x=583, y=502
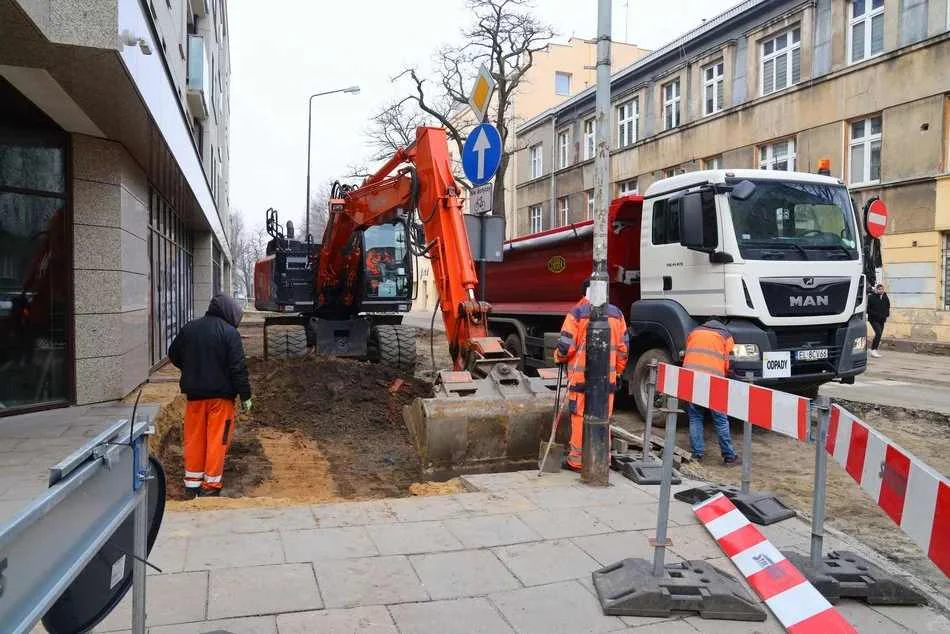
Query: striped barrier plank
x=914, y=496
x=796, y=603
x=770, y=409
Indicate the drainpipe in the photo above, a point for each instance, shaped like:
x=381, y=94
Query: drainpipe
x=553, y=170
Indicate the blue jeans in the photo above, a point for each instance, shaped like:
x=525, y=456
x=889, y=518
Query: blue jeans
x=721, y=421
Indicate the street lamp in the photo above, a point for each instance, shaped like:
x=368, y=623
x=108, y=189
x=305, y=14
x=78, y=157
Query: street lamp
x=353, y=90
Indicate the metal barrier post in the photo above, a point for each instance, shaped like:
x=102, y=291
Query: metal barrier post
x=663, y=512
x=648, y=429
x=747, y=446
x=140, y=534
x=821, y=475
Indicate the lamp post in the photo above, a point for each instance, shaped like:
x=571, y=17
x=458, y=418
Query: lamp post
x=353, y=90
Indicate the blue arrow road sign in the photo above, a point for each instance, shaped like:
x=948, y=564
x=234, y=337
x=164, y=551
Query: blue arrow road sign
x=481, y=154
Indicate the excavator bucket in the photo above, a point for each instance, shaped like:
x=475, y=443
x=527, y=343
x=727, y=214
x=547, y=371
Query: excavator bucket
x=483, y=425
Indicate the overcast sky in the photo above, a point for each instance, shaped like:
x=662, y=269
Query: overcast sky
x=283, y=51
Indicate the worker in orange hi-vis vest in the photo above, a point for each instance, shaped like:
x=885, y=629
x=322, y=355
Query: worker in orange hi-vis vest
x=572, y=350
x=708, y=349
x=210, y=355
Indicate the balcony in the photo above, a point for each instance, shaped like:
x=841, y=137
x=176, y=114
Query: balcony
x=199, y=77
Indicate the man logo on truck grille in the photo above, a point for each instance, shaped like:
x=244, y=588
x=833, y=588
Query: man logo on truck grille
x=802, y=301
x=557, y=264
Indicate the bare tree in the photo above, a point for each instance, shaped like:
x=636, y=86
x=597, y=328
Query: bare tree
x=247, y=246
x=394, y=127
x=319, y=212
x=504, y=35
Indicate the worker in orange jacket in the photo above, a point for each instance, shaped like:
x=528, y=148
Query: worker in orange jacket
x=708, y=349
x=572, y=350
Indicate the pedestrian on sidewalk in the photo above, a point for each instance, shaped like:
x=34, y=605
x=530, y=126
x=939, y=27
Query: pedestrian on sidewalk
x=572, y=349
x=708, y=349
x=879, y=309
x=210, y=355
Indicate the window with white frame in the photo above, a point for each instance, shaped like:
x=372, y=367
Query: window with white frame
x=670, y=172
x=713, y=82
x=628, y=187
x=778, y=156
x=563, y=211
x=534, y=160
x=781, y=61
x=866, y=32
x=534, y=219
x=712, y=163
x=563, y=148
x=590, y=203
x=671, y=104
x=627, y=116
x=562, y=83
x=590, y=142
x=865, y=150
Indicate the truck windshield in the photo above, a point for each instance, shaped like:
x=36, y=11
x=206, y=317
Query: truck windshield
x=795, y=221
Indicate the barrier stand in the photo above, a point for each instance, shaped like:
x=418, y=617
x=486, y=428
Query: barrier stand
x=761, y=508
x=639, y=587
x=646, y=470
x=843, y=573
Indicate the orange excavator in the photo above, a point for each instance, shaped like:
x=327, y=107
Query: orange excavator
x=485, y=413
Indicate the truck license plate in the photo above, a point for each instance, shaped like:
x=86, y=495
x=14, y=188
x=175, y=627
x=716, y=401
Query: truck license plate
x=812, y=355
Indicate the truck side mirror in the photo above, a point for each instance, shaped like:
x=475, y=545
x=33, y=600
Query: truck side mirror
x=699, y=230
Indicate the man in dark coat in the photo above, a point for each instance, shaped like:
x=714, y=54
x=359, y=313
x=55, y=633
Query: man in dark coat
x=210, y=355
x=879, y=309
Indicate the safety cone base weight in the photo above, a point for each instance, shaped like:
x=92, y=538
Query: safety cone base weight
x=760, y=508
x=641, y=471
x=628, y=588
x=844, y=574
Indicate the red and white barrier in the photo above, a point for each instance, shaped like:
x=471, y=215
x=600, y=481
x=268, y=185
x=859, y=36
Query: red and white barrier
x=912, y=494
x=770, y=409
x=792, y=599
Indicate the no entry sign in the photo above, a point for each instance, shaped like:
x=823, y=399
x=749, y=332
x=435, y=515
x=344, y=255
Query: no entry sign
x=876, y=218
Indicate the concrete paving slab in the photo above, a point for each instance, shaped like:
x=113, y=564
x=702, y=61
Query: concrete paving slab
x=625, y=517
x=371, y=581
x=713, y=626
x=413, y=538
x=462, y=574
x=693, y=542
x=665, y=627
x=176, y=598
x=560, y=607
x=259, y=520
x=374, y=619
x=495, y=502
x=564, y=523
x=250, y=625
x=491, y=530
x=546, y=562
x=168, y=555
x=458, y=616
x=865, y=619
x=426, y=508
x=258, y=590
x=916, y=619
x=614, y=547
x=582, y=497
x=228, y=551
x=682, y=514
x=315, y=544
x=352, y=513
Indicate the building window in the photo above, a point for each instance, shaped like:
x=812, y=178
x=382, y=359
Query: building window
x=563, y=148
x=713, y=83
x=628, y=187
x=534, y=160
x=865, y=151
x=866, y=35
x=171, y=273
x=590, y=204
x=627, y=116
x=563, y=211
x=712, y=163
x=778, y=156
x=562, y=84
x=534, y=219
x=946, y=270
x=782, y=61
x=590, y=143
x=671, y=104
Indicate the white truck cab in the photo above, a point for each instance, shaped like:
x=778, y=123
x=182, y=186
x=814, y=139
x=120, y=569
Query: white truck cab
x=774, y=255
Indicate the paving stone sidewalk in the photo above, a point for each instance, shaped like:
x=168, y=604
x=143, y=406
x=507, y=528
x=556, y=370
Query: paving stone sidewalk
x=515, y=555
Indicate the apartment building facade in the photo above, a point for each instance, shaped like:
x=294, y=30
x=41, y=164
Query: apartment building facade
x=113, y=190
x=779, y=84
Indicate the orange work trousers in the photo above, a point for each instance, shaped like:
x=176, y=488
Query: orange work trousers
x=209, y=427
x=574, y=454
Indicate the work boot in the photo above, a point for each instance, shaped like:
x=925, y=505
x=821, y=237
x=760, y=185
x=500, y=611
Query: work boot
x=875, y=354
x=735, y=461
x=697, y=457
x=209, y=493
x=192, y=492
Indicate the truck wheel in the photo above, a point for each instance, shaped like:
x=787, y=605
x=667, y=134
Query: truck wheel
x=394, y=346
x=515, y=346
x=286, y=342
x=406, y=337
x=640, y=384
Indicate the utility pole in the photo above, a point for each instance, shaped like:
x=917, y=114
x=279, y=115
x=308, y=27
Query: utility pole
x=596, y=444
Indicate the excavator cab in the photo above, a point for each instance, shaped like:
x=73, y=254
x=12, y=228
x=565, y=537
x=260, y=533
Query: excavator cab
x=387, y=269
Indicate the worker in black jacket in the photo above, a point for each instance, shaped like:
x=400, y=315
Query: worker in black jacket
x=879, y=309
x=210, y=355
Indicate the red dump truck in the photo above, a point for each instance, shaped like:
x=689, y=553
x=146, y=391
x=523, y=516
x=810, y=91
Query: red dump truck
x=776, y=256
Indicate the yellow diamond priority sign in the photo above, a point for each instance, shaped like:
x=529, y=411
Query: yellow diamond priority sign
x=481, y=93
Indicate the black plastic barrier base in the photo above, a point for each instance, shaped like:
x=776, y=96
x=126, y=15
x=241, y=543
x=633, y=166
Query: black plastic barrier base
x=628, y=588
x=759, y=508
x=844, y=574
x=641, y=471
